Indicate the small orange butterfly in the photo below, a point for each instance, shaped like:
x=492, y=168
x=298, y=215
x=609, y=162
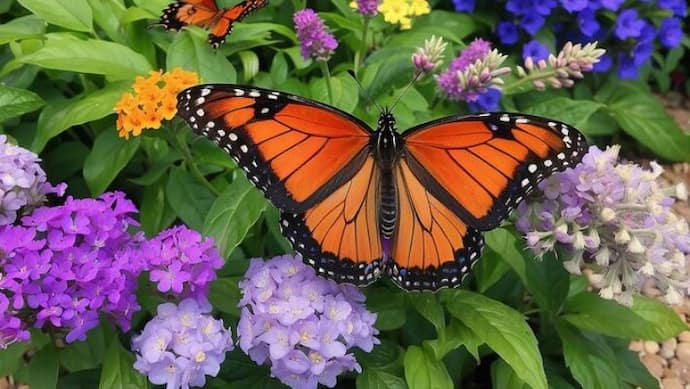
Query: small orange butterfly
x=207, y=14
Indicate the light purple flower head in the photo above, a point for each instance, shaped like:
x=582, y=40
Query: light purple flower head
x=22, y=181
x=182, y=345
x=614, y=220
x=182, y=262
x=315, y=40
x=302, y=325
x=67, y=264
x=366, y=7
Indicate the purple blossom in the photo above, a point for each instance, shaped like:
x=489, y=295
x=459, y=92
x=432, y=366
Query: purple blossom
x=302, y=325
x=181, y=261
x=532, y=22
x=574, y=5
x=315, y=40
x=615, y=220
x=182, y=345
x=588, y=22
x=507, y=32
x=671, y=32
x=535, y=50
x=464, y=5
x=628, y=24
x=366, y=7
x=23, y=183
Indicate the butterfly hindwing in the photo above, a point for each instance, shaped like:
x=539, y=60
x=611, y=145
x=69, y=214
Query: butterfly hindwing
x=482, y=166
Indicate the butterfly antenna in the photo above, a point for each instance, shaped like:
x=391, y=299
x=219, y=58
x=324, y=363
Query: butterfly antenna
x=364, y=92
x=416, y=77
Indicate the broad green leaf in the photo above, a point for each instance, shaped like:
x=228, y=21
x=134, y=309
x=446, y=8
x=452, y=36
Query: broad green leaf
x=375, y=379
x=502, y=376
x=11, y=358
x=115, y=61
x=107, y=14
x=394, y=70
x=233, y=213
x=42, y=370
x=16, y=102
x=78, y=110
x=191, y=52
x=224, y=295
x=428, y=306
x=155, y=214
x=108, y=156
x=590, y=359
x=460, y=24
x=84, y=355
x=573, y=112
x=489, y=270
x=250, y=64
x=345, y=91
x=644, y=118
x=157, y=169
x=188, y=197
x=384, y=357
x=279, y=69
x=646, y=319
x=72, y=14
x=64, y=160
x=503, y=329
x=389, y=306
x=452, y=337
x=118, y=370
x=630, y=366
x=422, y=371
x=21, y=28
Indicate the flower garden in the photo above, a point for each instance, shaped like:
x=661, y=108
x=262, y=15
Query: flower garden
x=135, y=252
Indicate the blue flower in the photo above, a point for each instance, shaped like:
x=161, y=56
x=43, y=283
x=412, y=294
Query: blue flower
x=627, y=69
x=519, y=7
x=588, y=22
x=464, y=5
x=629, y=25
x=612, y=4
x=604, y=64
x=648, y=33
x=679, y=7
x=544, y=7
x=535, y=50
x=670, y=32
x=532, y=22
x=486, y=102
x=574, y=5
x=641, y=52
x=507, y=32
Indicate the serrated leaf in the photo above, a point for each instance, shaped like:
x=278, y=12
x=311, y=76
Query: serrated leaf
x=16, y=102
x=233, y=214
x=191, y=52
x=422, y=371
x=118, y=370
x=108, y=156
x=375, y=379
x=72, y=14
x=188, y=197
x=503, y=329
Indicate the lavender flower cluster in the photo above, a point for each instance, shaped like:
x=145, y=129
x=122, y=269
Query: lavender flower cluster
x=301, y=324
x=630, y=34
x=616, y=222
x=181, y=345
x=315, y=40
x=22, y=181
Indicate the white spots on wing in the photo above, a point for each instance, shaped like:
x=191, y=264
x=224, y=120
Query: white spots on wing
x=524, y=182
x=205, y=92
x=521, y=120
x=483, y=115
x=272, y=97
x=264, y=110
x=200, y=112
x=221, y=133
x=211, y=124
x=548, y=163
x=192, y=119
x=504, y=118
x=232, y=136
x=532, y=168
x=239, y=92
x=561, y=156
x=552, y=124
x=244, y=148
x=199, y=101
x=254, y=93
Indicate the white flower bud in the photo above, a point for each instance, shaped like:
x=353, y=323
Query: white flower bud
x=622, y=236
x=606, y=293
x=682, y=192
x=578, y=241
x=607, y=214
x=602, y=256
x=673, y=297
x=635, y=246
x=647, y=269
x=572, y=267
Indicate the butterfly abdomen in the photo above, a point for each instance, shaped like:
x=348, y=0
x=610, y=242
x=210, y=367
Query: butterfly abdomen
x=389, y=205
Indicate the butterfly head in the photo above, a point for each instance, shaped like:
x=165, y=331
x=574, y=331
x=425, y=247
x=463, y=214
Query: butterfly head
x=386, y=121
x=387, y=142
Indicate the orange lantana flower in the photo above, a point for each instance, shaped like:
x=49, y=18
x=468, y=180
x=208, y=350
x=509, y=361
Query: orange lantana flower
x=154, y=100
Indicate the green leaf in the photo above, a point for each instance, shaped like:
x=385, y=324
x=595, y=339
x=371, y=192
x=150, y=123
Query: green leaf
x=118, y=370
x=42, y=370
x=155, y=214
x=233, y=214
x=89, y=56
x=502, y=376
x=190, y=199
x=79, y=110
x=224, y=295
x=384, y=357
x=453, y=336
x=573, y=112
x=503, y=329
x=630, y=366
x=590, y=359
x=374, y=379
x=389, y=306
x=24, y=27
x=84, y=355
x=279, y=69
x=425, y=372
x=647, y=319
x=489, y=270
x=16, y=102
x=250, y=64
x=393, y=70
x=11, y=358
x=107, y=14
x=72, y=14
x=191, y=52
x=644, y=118
x=109, y=155
x=426, y=304
x=345, y=91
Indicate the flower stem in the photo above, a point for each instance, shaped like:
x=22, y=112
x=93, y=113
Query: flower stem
x=194, y=169
x=515, y=86
x=327, y=74
x=359, y=57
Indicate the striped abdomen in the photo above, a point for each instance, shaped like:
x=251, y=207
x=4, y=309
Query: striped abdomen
x=389, y=206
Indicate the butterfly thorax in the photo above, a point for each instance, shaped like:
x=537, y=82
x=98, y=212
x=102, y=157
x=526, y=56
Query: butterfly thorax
x=387, y=147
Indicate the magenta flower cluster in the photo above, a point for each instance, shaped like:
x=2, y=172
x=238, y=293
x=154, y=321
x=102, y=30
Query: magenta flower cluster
x=181, y=345
x=367, y=7
x=315, y=39
x=304, y=326
x=22, y=181
x=448, y=80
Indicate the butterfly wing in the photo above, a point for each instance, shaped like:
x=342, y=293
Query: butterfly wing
x=295, y=150
x=223, y=26
x=432, y=248
x=339, y=236
x=482, y=166
x=185, y=12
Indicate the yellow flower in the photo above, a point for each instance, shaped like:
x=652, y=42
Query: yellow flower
x=154, y=100
x=401, y=11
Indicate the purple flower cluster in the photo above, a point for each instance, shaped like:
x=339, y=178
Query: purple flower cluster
x=366, y=7
x=303, y=325
x=181, y=345
x=631, y=33
x=22, y=181
x=616, y=222
x=315, y=40
x=182, y=262
x=69, y=263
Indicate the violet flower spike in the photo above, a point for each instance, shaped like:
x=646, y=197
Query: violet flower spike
x=425, y=59
x=315, y=39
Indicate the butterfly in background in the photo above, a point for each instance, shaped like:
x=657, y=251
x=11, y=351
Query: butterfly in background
x=206, y=14
x=357, y=203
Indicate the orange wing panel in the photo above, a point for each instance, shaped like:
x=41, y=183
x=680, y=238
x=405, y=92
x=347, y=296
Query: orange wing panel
x=319, y=122
x=453, y=135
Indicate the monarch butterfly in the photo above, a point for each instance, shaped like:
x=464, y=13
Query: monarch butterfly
x=205, y=13
x=357, y=203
